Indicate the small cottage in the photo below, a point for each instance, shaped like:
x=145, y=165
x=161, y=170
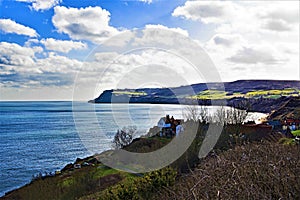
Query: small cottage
x=161, y=122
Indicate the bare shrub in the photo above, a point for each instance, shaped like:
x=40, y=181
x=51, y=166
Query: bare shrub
x=124, y=137
x=253, y=171
x=220, y=115
x=196, y=112
x=235, y=115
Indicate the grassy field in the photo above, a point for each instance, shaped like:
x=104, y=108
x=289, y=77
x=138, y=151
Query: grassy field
x=129, y=93
x=210, y=94
x=217, y=94
x=71, y=184
x=274, y=94
x=296, y=133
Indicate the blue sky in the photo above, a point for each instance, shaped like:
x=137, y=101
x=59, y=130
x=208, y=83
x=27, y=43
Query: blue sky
x=124, y=14
x=45, y=44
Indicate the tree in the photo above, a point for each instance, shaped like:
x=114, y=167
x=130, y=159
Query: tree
x=124, y=136
x=220, y=116
x=195, y=112
x=234, y=115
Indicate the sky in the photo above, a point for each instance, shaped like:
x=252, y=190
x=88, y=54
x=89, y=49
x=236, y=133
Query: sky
x=69, y=49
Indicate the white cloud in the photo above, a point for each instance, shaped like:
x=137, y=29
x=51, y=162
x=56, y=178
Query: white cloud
x=277, y=25
x=21, y=68
x=252, y=39
x=41, y=4
x=31, y=41
x=254, y=56
x=161, y=27
x=110, y=67
x=105, y=57
x=14, y=54
x=151, y=34
x=10, y=26
x=160, y=35
x=156, y=55
x=227, y=40
x=146, y=1
x=205, y=11
x=280, y=16
x=62, y=45
x=58, y=64
x=135, y=69
x=287, y=11
x=90, y=23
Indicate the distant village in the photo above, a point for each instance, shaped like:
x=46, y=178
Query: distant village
x=285, y=126
x=170, y=127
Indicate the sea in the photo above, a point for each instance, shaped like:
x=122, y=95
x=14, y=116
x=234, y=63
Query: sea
x=43, y=136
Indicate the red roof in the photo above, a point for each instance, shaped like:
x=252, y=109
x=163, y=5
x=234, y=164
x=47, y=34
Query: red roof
x=297, y=121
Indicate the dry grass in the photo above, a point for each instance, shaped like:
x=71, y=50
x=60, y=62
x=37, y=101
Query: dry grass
x=253, y=171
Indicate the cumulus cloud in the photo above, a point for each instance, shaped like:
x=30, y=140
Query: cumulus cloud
x=41, y=4
x=20, y=67
x=62, y=45
x=105, y=57
x=285, y=11
x=251, y=39
x=151, y=34
x=277, y=25
x=227, y=40
x=161, y=27
x=14, y=54
x=90, y=23
x=58, y=64
x=115, y=70
x=280, y=17
x=157, y=51
x=109, y=67
x=160, y=35
x=10, y=26
x=253, y=56
x=205, y=11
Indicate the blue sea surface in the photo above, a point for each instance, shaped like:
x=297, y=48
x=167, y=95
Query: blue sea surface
x=39, y=137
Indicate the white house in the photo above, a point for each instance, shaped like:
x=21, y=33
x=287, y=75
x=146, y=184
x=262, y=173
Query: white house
x=161, y=123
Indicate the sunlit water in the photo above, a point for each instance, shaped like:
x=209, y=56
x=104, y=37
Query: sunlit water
x=38, y=137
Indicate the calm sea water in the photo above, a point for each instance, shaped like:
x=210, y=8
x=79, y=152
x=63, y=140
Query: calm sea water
x=39, y=137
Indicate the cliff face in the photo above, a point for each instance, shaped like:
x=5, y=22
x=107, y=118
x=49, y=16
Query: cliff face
x=263, y=95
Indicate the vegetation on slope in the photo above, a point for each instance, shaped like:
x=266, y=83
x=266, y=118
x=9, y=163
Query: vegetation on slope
x=250, y=89
x=252, y=171
x=273, y=94
x=269, y=170
x=296, y=133
x=130, y=93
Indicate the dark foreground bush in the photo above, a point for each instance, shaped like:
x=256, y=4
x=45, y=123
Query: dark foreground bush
x=253, y=171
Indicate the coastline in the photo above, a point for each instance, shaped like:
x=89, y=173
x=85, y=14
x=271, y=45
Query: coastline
x=70, y=166
x=89, y=159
